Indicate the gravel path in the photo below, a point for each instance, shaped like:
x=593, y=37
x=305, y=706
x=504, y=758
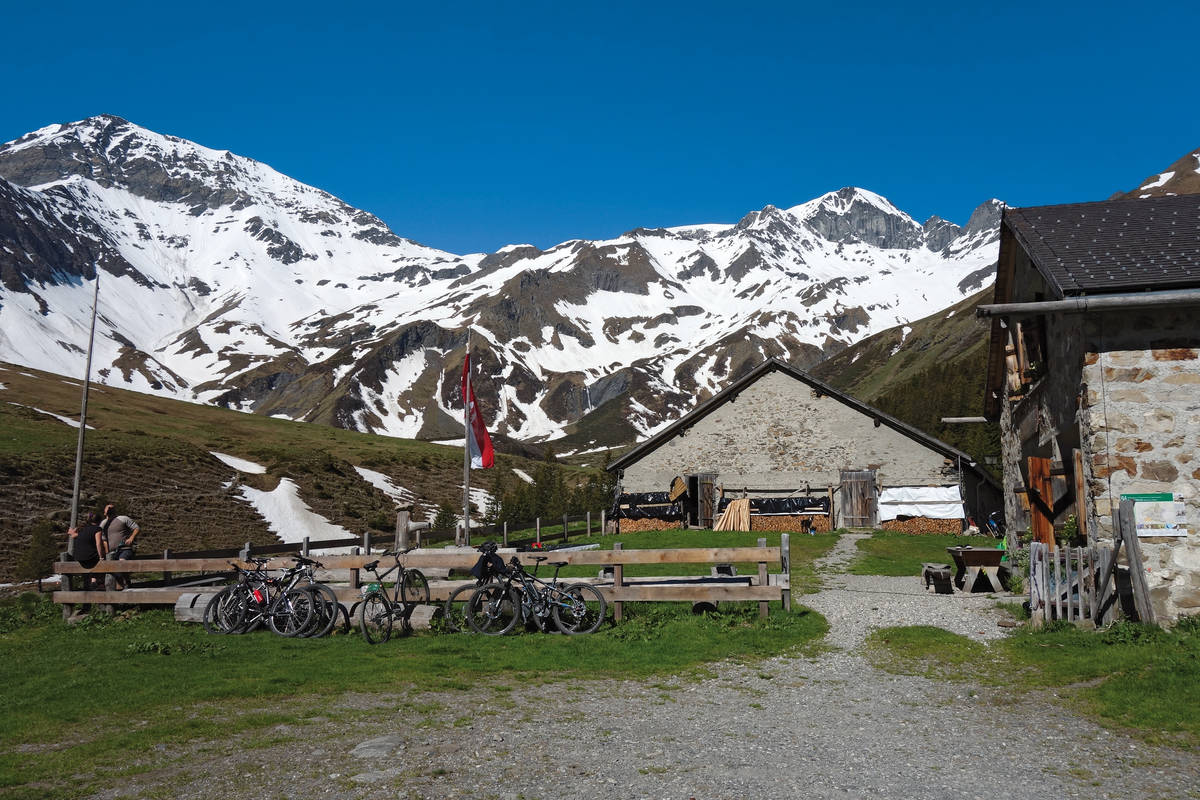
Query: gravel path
x=824, y=727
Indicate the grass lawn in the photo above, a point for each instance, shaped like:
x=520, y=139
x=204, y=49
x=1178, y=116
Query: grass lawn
x=79, y=699
x=1129, y=675
x=899, y=554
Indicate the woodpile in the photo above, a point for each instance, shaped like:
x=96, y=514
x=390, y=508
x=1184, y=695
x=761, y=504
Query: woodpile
x=795, y=523
x=638, y=525
x=919, y=525
x=736, y=517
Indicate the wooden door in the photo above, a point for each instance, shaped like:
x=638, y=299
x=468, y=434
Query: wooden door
x=858, y=501
x=707, y=506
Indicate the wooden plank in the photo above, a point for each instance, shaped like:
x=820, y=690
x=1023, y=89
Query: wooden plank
x=164, y=597
x=1137, y=571
x=1054, y=554
x=1081, y=496
x=1037, y=597
x=1039, y=481
x=672, y=593
x=693, y=555
x=785, y=568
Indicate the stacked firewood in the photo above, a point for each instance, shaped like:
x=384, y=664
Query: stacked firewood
x=919, y=525
x=796, y=523
x=637, y=525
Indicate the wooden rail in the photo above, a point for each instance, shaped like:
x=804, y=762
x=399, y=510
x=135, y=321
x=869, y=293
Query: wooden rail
x=761, y=587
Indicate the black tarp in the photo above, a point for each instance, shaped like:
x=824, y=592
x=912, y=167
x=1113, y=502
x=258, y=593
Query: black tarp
x=783, y=505
x=647, y=505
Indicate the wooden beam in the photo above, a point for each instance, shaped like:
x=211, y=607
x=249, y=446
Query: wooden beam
x=691, y=555
x=1081, y=495
x=1137, y=572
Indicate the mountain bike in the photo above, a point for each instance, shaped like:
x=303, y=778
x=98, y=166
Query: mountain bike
x=486, y=570
x=377, y=612
x=495, y=608
x=259, y=598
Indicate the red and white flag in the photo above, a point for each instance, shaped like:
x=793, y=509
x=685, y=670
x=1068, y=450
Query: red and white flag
x=478, y=442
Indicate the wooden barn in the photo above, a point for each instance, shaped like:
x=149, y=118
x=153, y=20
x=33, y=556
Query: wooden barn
x=807, y=456
x=1094, y=375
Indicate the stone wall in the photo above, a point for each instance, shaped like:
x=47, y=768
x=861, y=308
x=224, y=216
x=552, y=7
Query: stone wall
x=778, y=434
x=1140, y=425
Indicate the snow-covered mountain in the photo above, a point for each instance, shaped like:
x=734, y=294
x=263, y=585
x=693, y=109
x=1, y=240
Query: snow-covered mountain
x=223, y=281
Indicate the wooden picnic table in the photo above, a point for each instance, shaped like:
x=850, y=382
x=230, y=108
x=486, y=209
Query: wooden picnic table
x=971, y=562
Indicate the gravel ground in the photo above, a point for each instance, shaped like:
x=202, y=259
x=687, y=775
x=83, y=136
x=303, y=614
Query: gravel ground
x=825, y=727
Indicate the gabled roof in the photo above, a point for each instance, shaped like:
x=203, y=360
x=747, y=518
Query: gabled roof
x=775, y=365
x=1112, y=245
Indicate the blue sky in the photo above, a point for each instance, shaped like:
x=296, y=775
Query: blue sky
x=474, y=125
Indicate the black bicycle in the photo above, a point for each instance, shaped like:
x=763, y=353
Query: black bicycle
x=488, y=569
x=377, y=613
x=495, y=608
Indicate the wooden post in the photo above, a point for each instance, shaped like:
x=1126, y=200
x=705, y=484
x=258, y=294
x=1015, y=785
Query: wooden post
x=366, y=542
x=1037, y=590
x=403, y=516
x=589, y=524
x=244, y=555
x=1081, y=504
x=1057, y=584
x=537, y=526
x=603, y=526
x=785, y=566
x=1091, y=559
x=1137, y=573
x=832, y=516
x=618, y=582
x=506, y=534
x=65, y=582
x=304, y=549
x=564, y=528
x=764, y=607
x=167, y=575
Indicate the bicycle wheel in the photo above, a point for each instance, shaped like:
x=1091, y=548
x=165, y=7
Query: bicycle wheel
x=221, y=611
x=579, y=609
x=329, y=609
x=454, y=613
x=414, y=588
x=320, y=612
x=375, y=618
x=493, y=610
x=290, y=613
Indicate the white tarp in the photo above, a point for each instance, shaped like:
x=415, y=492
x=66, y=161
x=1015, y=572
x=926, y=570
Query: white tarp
x=935, y=502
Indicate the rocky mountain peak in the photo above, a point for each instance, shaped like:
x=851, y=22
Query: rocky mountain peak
x=852, y=215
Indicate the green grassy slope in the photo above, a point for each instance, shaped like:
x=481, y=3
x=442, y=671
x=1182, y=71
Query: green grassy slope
x=936, y=371
x=152, y=456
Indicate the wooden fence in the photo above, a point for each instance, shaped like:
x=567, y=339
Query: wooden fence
x=1077, y=583
x=762, y=587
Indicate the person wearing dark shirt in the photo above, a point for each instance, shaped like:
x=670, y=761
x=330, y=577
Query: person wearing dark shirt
x=89, y=544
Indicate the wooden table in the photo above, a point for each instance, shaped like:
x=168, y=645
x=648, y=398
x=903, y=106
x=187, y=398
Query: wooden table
x=972, y=562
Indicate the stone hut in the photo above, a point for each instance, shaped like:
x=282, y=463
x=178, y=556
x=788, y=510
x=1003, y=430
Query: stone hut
x=1094, y=375
x=779, y=434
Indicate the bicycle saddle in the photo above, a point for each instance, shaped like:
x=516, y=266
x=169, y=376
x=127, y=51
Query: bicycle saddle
x=540, y=559
x=558, y=564
x=372, y=565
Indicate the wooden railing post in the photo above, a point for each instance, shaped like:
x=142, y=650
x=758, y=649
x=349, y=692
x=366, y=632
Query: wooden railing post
x=402, y=518
x=618, y=582
x=785, y=568
x=506, y=534
x=366, y=542
x=537, y=526
x=764, y=607
x=565, y=528
x=589, y=524
x=167, y=575
x=603, y=525
x=304, y=547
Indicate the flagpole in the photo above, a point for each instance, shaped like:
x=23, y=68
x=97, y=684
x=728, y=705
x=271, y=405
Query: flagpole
x=467, y=449
x=87, y=376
